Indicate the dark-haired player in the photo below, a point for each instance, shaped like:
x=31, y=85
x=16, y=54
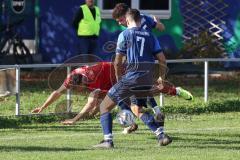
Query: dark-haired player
x=140, y=48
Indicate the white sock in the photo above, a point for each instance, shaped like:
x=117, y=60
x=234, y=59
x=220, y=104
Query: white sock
x=108, y=137
x=177, y=91
x=159, y=131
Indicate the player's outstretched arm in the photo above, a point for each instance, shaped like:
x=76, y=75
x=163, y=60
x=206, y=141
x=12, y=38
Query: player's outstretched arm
x=52, y=98
x=90, y=107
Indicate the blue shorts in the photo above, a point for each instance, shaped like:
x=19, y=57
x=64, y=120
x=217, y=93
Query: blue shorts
x=124, y=105
x=144, y=101
x=125, y=89
x=139, y=101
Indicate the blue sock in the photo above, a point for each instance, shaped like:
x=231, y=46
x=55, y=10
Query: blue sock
x=106, y=122
x=148, y=120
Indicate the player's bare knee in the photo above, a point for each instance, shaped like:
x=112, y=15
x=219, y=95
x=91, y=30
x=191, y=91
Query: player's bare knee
x=106, y=108
x=103, y=109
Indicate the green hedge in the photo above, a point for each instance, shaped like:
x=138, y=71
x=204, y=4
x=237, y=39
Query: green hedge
x=217, y=106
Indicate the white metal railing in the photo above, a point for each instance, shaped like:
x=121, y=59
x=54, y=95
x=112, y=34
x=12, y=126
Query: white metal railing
x=68, y=66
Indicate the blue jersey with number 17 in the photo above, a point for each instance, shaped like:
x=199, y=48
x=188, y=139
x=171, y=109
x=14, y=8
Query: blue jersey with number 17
x=140, y=48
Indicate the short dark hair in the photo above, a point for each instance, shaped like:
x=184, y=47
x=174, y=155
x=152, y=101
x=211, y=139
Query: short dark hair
x=76, y=79
x=120, y=10
x=134, y=14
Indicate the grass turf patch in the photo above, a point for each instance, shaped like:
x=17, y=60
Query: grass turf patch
x=205, y=136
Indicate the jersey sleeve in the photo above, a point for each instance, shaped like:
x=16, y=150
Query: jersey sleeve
x=150, y=21
x=121, y=44
x=156, y=46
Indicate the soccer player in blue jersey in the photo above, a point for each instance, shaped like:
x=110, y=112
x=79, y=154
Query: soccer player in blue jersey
x=148, y=23
x=140, y=48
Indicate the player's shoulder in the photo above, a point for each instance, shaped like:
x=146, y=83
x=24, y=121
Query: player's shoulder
x=143, y=15
x=125, y=34
x=146, y=17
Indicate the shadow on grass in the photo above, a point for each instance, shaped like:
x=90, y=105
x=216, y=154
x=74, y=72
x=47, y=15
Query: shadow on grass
x=88, y=129
x=229, y=135
x=39, y=149
x=208, y=141
x=209, y=147
x=18, y=121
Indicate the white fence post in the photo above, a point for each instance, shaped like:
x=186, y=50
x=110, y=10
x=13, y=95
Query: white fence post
x=205, y=81
x=161, y=100
x=17, y=111
x=68, y=92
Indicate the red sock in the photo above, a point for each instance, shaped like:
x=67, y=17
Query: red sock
x=169, y=90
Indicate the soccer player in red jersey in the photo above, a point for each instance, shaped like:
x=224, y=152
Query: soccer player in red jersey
x=97, y=80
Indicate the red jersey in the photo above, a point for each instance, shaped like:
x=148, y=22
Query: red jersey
x=99, y=76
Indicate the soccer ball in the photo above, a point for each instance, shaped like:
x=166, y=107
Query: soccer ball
x=125, y=118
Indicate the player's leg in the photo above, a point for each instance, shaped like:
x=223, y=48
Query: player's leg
x=176, y=91
x=170, y=89
x=159, y=116
x=106, y=122
x=96, y=108
x=116, y=94
x=184, y=93
x=126, y=105
x=150, y=122
x=92, y=103
x=147, y=118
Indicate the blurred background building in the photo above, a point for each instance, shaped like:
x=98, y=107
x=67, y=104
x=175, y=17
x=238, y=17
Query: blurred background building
x=194, y=28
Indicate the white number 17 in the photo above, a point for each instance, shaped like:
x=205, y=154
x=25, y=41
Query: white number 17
x=142, y=39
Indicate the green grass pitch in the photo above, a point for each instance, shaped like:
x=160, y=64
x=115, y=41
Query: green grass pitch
x=205, y=136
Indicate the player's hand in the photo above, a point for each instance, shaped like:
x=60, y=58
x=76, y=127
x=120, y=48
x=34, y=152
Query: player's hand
x=159, y=25
x=37, y=110
x=68, y=122
x=156, y=19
